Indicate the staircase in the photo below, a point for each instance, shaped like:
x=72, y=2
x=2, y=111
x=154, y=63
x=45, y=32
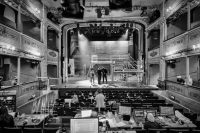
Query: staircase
x=127, y=65
x=121, y=63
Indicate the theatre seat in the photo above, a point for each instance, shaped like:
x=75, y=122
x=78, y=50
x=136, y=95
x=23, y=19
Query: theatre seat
x=32, y=130
x=196, y=131
x=157, y=130
x=50, y=130
x=12, y=130
x=141, y=130
x=179, y=130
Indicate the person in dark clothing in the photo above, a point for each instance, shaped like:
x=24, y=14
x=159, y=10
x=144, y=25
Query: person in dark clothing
x=104, y=71
x=99, y=71
x=6, y=120
x=151, y=123
x=1, y=78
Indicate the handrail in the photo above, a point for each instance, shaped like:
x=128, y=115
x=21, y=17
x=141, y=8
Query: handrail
x=109, y=57
x=184, y=90
x=25, y=83
x=34, y=99
x=189, y=110
x=195, y=87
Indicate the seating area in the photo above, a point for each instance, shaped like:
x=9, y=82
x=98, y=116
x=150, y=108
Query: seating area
x=136, y=99
x=67, y=130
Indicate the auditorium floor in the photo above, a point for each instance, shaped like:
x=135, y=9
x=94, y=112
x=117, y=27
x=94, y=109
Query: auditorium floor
x=83, y=82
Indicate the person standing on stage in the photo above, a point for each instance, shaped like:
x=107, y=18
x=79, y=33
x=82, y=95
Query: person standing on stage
x=99, y=75
x=104, y=71
x=92, y=76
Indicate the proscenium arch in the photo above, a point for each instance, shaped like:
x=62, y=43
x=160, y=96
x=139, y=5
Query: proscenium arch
x=68, y=26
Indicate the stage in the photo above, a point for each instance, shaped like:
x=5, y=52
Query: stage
x=83, y=82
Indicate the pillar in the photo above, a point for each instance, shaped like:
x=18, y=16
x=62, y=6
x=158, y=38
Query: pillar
x=43, y=63
x=65, y=55
x=18, y=69
x=19, y=19
x=139, y=42
x=146, y=61
x=162, y=51
x=188, y=17
x=187, y=68
x=41, y=31
x=164, y=30
x=59, y=57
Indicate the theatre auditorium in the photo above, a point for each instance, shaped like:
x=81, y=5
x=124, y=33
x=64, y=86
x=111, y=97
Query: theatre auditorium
x=99, y=66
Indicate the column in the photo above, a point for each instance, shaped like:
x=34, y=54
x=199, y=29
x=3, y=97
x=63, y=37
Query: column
x=112, y=70
x=43, y=63
x=139, y=41
x=19, y=20
x=146, y=60
x=162, y=51
x=141, y=45
x=42, y=24
x=163, y=9
x=188, y=17
x=59, y=57
x=41, y=31
x=65, y=55
x=18, y=69
x=164, y=30
x=187, y=69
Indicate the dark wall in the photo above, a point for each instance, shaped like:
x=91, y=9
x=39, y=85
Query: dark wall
x=52, y=71
x=52, y=40
x=154, y=37
x=177, y=26
x=195, y=18
x=135, y=45
x=4, y=20
x=29, y=70
x=30, y=27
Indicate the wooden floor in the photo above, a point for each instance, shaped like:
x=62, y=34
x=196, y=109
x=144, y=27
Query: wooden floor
x=82, y=82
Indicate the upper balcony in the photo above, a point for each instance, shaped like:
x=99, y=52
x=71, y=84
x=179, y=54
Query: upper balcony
x=18, y=44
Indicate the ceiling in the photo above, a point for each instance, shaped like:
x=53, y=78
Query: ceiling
x=98, y=10
x=101, y=9
x=56, y=3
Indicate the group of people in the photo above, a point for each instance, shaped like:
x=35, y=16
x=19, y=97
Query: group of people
x=101, y=74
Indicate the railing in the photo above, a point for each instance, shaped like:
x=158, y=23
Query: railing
x=37, y=104
x=185, y=90
x=128, y=65
x=53, y=81
x=133, y=62
x=109, y=57
x=27, y=91
x=24, y=47
x=27, y=87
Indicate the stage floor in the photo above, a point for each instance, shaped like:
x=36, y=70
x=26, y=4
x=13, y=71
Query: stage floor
x=83, y=82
